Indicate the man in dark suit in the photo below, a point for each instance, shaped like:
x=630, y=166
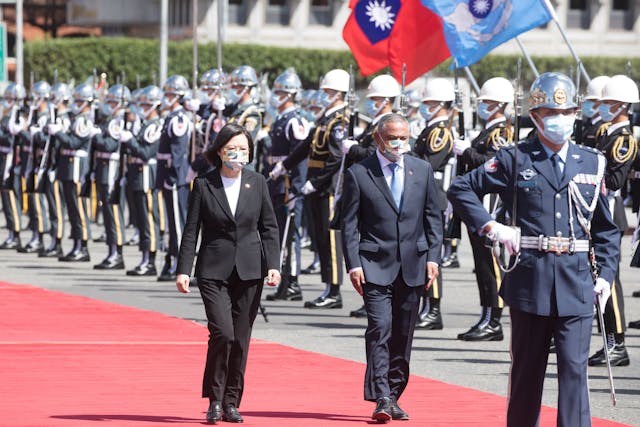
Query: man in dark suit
x=562, y=215
x=392, y=244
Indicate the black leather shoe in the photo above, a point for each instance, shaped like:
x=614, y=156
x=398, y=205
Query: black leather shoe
x=11, y=243
x=111, y=263
x=168, y=276
x=489, y=332
x=636, y=294
x=635, y=324
x=432, y=320
x=100, y=239
x=359, y=313
x=133, y=241
x=382, y=413
x=314, y=268
x=292, y=293
x=397, y=413
x=80, y=255
x=451, y=261
x=143, y=270
x=214, y=413
x=231, y=414
x=325, y=302
x=31, y=247
x=618, y=356
x=53, y=252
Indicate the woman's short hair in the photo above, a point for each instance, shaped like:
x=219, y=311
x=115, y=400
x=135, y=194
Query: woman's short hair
x=226, y=133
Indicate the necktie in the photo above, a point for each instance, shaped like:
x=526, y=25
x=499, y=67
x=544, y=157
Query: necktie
x=555, y=160
x=396, y=185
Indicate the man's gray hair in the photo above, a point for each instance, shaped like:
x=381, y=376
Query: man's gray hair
x=390, y=118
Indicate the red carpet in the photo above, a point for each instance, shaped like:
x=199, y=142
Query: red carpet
x=73, y=361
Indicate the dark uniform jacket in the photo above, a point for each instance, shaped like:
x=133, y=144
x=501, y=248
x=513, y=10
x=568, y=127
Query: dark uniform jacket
x=6, y=149
x=591, y=130
x=286, y=134
x=107, y=150
x=173, y=150
x=142, y=150
x=74, y=149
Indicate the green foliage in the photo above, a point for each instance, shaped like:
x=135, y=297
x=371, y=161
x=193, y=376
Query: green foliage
x=76, y=59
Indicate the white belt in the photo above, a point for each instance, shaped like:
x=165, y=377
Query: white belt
x=635, y=175
x=559, y=245
x=272, y=160
x=5, y=150
x=74, y=153
x=138, y=161
x=108, y=156
x=164, y=156
x=438, y=175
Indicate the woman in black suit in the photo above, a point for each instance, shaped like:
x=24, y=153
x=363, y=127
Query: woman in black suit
x=239, y=246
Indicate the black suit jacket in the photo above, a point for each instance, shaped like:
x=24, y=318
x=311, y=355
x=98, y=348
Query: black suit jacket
x=247, y=241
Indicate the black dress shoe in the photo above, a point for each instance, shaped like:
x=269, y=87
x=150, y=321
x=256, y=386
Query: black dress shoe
x=618, y=356
x=143, y=270
x=291, y=293
x=328, y=301
x=80, y=255
x=359, y=313
x=397, y=413
x=10, y=244
x=313, y=268
x=214, y=413
x=492, y=331
x=231, y=414
x=54, y=252
x=451, y=261
x=635, y=324
x=636, y=294
x=31, y=247
x=111, y=263
x=431, y=321
x=100, y=239
x=382, y=413
x=167, y=276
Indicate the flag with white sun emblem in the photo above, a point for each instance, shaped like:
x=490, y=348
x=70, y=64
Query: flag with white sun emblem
x=473, y=28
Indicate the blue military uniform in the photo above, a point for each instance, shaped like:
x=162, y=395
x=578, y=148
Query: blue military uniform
x=11, y=203
x=550, y=291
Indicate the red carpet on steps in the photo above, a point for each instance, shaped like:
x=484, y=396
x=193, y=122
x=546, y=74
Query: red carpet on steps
x=73, y=361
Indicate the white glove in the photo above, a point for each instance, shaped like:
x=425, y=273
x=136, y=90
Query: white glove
x=508, y=236
x=277, y=171
x=92, y=176
x=33, y=130
x=123, y=181
x=347, y=144
x=125, y=135
x=307, y=188
x=192, y=105
x=218, y=104
x=603, y=289
x=15, y=128
x=54, y=128
x=95, y=131
x=291, y=204
x=52, y=176
x=460, y=145
x=191, y=175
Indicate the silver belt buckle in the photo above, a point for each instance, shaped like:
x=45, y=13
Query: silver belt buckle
x=557, y=245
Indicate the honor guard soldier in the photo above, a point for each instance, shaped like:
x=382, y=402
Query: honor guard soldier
x=561, y=214
x=381, y=95
x=495, y=96
x=324, y=151
x=416, y=121
x=141, y=178
x=108, y=152
x=14, y=96
x=287, y=133
x=60, y=96
x=621, y=149
x=592, y=124
x=73, y=167
x=34, y=143
x=173, y=167
x=435, y=144
x=242, y=108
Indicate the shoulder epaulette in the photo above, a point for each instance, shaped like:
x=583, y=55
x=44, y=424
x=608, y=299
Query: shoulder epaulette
x=440, y=138
x=624, y=148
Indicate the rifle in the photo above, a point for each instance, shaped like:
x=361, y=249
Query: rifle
x=46, y=155
x=192, y=144
x=114, y=196
x=403, y=86
x=577, y=127
x=87, y=186
x=15, y=116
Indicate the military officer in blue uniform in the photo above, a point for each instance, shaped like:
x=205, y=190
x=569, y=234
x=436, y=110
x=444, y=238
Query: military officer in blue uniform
x=621, y=149
x=287, y=133
x=142, y=149
x=561, y=214
x=73, y=167
x=107, y=164
x=173, y=167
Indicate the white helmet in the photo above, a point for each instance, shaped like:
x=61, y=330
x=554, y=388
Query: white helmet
x=384, y=86
x=337, y=80
x=496, y=89
x=620, y=88
x=438, y=90
x=595, y=86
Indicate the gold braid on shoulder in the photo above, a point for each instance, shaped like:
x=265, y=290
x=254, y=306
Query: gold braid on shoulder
x=498, y=140
x=440, y=138
x=319, y=145
x=621, y=152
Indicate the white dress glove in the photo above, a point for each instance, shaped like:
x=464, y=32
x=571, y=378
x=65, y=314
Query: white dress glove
x=54, y=128
x=508, y=236
x=192, y=105
x=602, y=288
x=307, y=188
x=33, y=130
x=277, y=171
x=125, y=136
x=95, y=131
x=460, y=145
x=15, y=128
x=347, y=144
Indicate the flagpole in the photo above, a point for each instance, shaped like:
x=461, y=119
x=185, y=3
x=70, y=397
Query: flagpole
x=472, y=80
x=552, y=12
x=527, y=57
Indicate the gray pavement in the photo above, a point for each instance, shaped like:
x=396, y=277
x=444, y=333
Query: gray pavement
x=437, y=354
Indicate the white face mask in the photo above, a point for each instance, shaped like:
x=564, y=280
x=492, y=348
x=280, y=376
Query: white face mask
x=427, y=112
x=557, y=128
x=605, y=112
x=278, y=100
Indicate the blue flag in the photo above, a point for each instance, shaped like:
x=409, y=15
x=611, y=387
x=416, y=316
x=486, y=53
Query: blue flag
x=472, y=28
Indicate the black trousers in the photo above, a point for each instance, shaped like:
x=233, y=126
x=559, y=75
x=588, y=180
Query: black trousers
x=530, y=338
x=488, y=273
x=56, y=206
x=112, y=216
x=293, y=251
x=38, y=218
x=614, y=319
x=392, y=312
x=12, y=205
x=329, y=241
x=77, y=211
x=146, y=209
x=231, y=306
x=175, y=204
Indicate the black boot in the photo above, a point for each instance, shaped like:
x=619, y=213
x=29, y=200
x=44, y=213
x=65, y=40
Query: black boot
x=330, y=298
x=12, y=242
x=288, y=290
x=54, y=251
x=486, y=331
x=359, y=313
x=168, y=273
x=485, y=317
x=34, y=245
x=113, y=261
x=147, y=266
x=280, y=292
x=79, y=253
x=431, y=319
x=618, y=355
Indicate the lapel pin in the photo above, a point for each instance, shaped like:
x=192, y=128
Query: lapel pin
x=575, y=156
x=410, y=172
x=247, y=185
